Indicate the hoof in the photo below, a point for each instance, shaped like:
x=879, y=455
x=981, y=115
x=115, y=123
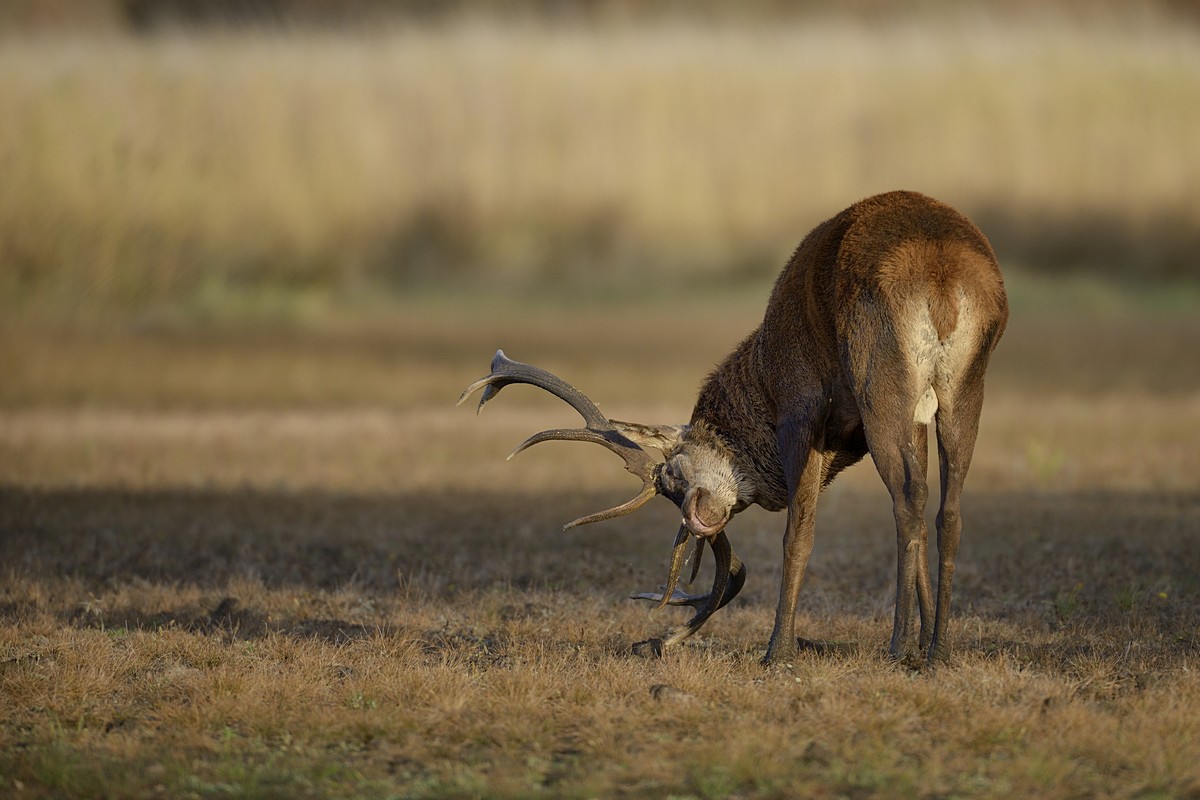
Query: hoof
x=938, y=655
x=783, y=658
x=908, y=658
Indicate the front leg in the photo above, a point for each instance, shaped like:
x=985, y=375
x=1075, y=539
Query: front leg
x=799, y=446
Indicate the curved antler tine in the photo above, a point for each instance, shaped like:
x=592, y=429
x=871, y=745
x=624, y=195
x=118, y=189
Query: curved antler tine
x=723, y=554
x=649, y=490
x=697, y=557
x=505, y=371
x=487, y=383
x=603, y=438
x=676, y=565
x=488, y=393
x=728, y=580
x=600, y=430
x=737, y=579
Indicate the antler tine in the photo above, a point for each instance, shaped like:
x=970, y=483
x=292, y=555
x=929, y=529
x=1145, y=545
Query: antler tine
x=649, y=490
x=600, y=430
x=728, y=579
x=505, y=371
x=677, y=551
x=697, y=557
x=636, y=462
x=609, y=439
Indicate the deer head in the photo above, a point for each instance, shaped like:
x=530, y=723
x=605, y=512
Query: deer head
x=696, y=473
x=686, y=464
x=700, y=476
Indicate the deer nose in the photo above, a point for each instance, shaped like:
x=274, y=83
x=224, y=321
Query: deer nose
x=702, y=530
x=702, y=516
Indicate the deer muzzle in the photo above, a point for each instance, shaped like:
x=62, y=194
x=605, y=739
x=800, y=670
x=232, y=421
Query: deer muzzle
x=702, y=514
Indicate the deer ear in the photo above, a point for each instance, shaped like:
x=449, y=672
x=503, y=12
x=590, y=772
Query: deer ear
x=702, y=513
x=651, y=437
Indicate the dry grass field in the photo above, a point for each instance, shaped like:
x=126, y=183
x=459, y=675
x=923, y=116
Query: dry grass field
x=249, y=548
x=282, y=564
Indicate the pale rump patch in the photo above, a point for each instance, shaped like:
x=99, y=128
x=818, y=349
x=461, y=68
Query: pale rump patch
x=921, y=343
x=926, y=407
x=957, y=352
x=937, y=359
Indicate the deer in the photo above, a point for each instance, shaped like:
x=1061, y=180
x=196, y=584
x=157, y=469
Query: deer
x=881, y=324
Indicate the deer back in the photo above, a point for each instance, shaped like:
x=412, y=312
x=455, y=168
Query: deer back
x=862, y=293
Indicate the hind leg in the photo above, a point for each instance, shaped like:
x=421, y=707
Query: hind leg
x=920, y=440
x=901, y=463
x=957, y=427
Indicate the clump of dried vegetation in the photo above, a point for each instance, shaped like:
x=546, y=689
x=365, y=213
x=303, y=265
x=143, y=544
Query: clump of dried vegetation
x=309, y=590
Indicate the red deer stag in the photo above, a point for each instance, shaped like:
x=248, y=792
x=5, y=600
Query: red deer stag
x=883, y=321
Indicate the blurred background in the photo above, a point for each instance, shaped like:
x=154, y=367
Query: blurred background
x=208, y=159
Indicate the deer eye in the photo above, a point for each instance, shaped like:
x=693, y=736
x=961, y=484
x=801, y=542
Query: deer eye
x=666, y=478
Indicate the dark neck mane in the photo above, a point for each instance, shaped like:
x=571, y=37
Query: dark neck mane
x=733, y=407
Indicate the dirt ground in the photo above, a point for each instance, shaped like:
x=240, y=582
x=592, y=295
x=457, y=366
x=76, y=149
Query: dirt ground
x=283, y=564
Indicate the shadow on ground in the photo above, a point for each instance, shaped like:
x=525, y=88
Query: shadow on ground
x=1087, y=559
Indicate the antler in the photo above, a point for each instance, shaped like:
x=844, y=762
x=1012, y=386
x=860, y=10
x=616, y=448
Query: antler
x=729, y=569
x=599, y=429
x=728, y=579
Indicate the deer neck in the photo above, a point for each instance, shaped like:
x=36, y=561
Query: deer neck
x=736, y=413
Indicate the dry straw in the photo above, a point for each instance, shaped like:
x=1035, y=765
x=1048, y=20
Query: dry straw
x=142, y=170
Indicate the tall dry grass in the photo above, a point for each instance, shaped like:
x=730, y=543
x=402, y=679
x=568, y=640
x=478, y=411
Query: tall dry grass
x=200, y=168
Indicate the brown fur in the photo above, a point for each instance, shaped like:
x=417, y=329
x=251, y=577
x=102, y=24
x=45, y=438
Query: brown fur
x=883, y=320
x=896, y=295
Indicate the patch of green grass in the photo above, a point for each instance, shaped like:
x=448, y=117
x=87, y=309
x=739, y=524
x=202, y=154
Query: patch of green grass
x=1067, y=603
x=1129, y=597
x=1043, y=460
